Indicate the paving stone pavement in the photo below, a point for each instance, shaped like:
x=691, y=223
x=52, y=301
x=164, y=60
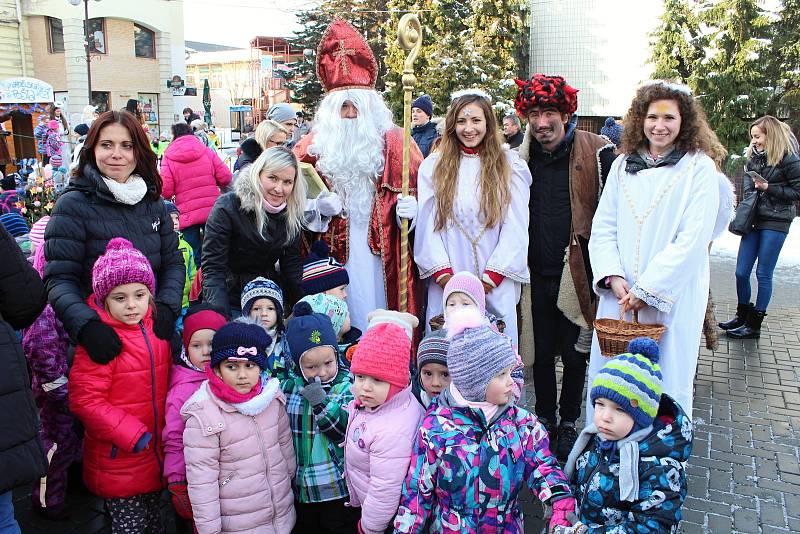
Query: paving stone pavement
x=744, y=473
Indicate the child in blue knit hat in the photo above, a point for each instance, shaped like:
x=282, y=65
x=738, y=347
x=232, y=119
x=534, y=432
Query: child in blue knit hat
x=628, y=465
x=262, y=301
x=317, y=389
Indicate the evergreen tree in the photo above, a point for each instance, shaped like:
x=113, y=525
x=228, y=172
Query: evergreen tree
x=786, y=46
x=677, y=43
x=729, y=80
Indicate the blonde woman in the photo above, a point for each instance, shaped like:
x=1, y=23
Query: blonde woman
x=773, y=171
x=473, y=210
x=252, y=229
x=268, y=134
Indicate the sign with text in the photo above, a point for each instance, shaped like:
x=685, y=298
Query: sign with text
x=25, y=91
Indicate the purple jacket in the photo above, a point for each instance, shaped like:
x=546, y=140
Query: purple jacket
x=193, y=173
x=183, y=383
x=45, y=344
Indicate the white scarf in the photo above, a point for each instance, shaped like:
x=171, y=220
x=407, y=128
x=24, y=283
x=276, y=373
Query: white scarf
x=131, y=192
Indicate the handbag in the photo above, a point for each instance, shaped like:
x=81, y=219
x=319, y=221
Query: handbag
x=745, y=215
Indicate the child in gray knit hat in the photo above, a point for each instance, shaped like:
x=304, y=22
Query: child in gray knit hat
x=432, y=376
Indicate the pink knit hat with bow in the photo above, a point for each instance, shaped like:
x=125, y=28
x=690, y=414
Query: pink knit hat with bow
x=121, y=264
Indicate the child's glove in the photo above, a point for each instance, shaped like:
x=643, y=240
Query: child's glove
x=180, y=498
x=314, y=393
x=142, y=442
x=561, y=508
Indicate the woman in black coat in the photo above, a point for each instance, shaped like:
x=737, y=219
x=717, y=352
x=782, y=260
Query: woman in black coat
x=773, y=172
x=115, y=191
x=22, y=299
x=255, y=228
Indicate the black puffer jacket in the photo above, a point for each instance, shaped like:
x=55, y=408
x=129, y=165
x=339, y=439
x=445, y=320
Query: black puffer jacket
x=234, y=253
x=22, y=299
x=85, y=219
x=776, y=209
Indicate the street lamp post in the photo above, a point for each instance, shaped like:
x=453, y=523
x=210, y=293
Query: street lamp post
x=88, y=42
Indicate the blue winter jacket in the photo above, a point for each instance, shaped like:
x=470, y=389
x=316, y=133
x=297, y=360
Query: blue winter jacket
x=655, y=506
x=425, y=135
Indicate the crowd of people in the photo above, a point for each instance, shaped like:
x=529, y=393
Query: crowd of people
x=237, y=341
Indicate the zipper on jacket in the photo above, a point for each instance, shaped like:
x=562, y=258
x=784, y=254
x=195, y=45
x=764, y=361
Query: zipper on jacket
x=153, y=396
x=266, y=470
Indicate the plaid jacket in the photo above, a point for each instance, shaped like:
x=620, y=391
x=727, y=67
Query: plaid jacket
x=318, y=436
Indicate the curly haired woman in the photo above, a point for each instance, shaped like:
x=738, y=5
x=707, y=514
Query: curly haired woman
x=662, y=204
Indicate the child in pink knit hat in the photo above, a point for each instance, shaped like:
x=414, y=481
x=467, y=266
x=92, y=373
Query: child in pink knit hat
x=384, y=418
x=121, y=402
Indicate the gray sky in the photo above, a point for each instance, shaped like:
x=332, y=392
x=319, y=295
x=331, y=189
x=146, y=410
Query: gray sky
x=235, y=22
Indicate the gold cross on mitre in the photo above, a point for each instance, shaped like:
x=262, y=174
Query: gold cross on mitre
x=341, y=53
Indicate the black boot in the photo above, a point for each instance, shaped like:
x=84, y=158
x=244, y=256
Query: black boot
x=751, y=328
x=742, y=311
x=567, y=435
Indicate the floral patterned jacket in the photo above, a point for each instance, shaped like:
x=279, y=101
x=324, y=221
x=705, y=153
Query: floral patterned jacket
x=465, y=475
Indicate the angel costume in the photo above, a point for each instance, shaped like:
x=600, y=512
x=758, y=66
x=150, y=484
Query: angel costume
x=466, y=244
x=653, y=229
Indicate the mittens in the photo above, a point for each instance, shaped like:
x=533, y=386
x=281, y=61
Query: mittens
x=100, y=341
x=314, y=393
x=180, y=499
x=164, y=321
x=561, y=508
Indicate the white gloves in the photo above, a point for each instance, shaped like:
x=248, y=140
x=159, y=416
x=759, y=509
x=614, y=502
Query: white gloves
x=406, y=207
x=329, y=204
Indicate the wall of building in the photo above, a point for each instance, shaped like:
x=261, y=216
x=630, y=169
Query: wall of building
x=13, y=62
x=118, y=72
x=601, y=51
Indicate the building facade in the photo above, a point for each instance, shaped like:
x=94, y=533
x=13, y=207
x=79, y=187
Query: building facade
x=601, y=48
x=135, y=48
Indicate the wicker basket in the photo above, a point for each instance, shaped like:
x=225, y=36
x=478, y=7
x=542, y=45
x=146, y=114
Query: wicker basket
x=437, y=323
x=613, y=335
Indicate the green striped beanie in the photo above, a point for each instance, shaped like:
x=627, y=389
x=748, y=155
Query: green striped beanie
x=632, y=380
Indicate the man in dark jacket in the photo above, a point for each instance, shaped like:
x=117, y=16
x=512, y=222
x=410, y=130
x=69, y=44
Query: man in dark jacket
x=512, y=131
x=564, y=194
x=189, y=115
x=22, y=299
x=424, y=131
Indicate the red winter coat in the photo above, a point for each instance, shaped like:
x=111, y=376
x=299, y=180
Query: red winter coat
x=193, y=174
x=117, y=404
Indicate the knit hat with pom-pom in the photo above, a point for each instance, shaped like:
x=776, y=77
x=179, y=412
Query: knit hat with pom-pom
x=121, y=264
x=477, y=353
x=632, y=380
x=612, y=130
x=384, y=353
x=321, y=272
x=307, y=330
x=240, y=341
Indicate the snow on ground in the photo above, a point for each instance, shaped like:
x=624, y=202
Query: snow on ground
x=727, y=245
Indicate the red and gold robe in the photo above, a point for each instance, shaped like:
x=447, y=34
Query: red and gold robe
x=384, y=233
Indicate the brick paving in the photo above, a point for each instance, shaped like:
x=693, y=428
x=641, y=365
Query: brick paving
x=744, y=473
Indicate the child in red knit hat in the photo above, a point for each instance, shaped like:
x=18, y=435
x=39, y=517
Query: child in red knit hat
x=384, y=418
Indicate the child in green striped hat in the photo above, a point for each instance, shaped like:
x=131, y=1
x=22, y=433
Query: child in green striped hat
x=628, y=465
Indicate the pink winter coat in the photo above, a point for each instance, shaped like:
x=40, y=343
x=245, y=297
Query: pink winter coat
x=377, y=452
x=193, y=174
x=183, y=383
x=240, y=462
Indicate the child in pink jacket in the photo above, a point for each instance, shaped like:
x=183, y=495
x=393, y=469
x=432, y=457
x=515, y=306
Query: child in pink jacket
x=238, y=449
x=384, y=418
x=199, y=326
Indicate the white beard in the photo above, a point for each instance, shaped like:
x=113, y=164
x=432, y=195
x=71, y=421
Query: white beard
x=350, y=151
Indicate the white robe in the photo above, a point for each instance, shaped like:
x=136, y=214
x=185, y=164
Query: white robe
x=502, y=249
x=673, y=262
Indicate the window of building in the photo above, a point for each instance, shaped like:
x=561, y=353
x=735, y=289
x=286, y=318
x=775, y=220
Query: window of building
x=102, y=100
x=55, y=35
x=144, y=42
x=97, y=36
